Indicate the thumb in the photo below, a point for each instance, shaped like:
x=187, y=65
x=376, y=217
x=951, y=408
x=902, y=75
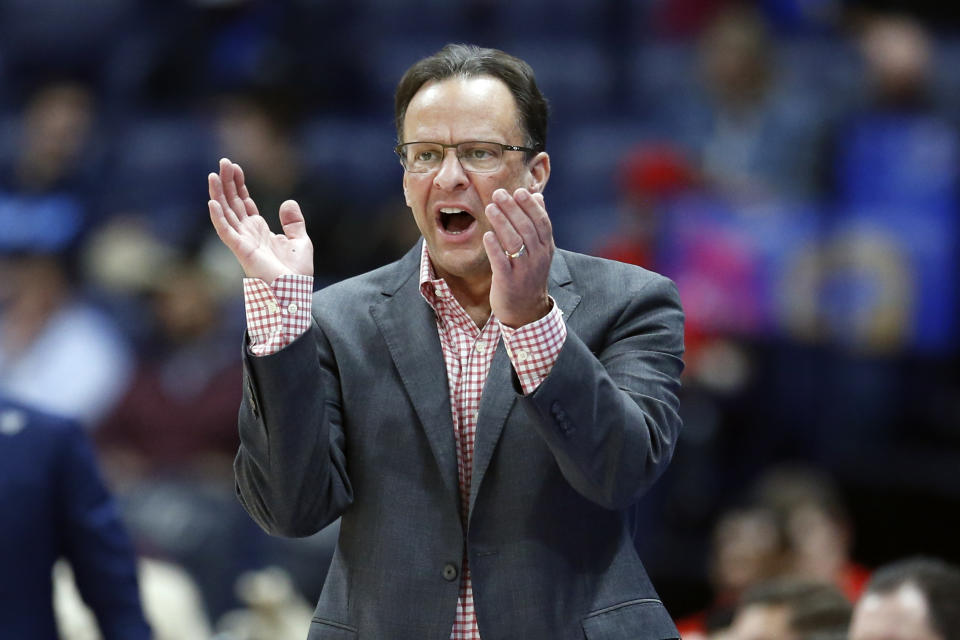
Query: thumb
x=292, y=221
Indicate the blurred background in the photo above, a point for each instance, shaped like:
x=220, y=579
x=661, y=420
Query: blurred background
x=791, y=164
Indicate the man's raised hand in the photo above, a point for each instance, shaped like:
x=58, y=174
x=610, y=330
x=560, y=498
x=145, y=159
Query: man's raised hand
x=262, y=253
x=520, y=225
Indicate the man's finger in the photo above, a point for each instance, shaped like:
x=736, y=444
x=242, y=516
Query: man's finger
x=518, y=218
x=242, y=190
x=507, y=237
x=533, y=206
x=251, y=207
x=226, y=175
x=499, y=261
x=225, y=231
x=218, y=184
x=215, y=184
x=231, y=184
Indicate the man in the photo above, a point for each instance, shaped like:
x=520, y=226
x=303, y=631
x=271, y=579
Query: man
x=560, y=372
x=913, y=599
x=56, y=506
x=791, y=609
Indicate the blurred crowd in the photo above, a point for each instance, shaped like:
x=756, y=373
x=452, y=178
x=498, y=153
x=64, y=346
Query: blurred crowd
x=792, y=165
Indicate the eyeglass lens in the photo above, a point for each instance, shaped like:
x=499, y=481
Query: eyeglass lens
x=422, y=157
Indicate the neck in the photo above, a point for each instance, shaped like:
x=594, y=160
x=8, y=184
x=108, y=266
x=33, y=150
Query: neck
x=473, y=294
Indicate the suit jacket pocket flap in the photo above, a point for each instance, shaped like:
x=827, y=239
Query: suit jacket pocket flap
x=645, y=619
x=321, y=629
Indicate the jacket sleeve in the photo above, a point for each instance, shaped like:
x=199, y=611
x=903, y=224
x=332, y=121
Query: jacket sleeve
x=97, y=545
x=291, y=465
x=610, y=416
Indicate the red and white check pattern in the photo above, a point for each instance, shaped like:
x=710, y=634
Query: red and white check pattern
x=276, y=315
x=533, y=348
x=467, y=353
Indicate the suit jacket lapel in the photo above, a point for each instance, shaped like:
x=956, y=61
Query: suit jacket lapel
x=409, y=328
x=495, y=405
x=499, y=393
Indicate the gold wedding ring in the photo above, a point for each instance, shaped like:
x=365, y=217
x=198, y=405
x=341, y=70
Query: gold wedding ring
x=519, y=252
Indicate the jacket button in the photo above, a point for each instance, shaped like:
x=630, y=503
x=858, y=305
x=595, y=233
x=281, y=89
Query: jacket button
x=450, y=572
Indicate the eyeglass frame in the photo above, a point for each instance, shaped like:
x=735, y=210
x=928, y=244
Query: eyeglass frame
x=504, y=147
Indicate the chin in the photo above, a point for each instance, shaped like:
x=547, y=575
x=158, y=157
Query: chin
x=460, y=262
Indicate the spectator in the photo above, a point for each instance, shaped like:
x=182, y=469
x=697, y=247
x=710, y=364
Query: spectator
x=749, y=547
x=913, y=599
x=755, y=141
x=818, y=528
x=56, y=156
x=887, y=280
x=57, y=352
x=57, y=506
x=169, y=443
x=790, y=609
x=648, y=177
x=178, y=415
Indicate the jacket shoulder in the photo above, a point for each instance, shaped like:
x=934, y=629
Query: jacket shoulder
x=601, y=274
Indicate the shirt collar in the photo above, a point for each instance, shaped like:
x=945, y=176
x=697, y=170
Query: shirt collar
x=440, y=297
x=432, y=288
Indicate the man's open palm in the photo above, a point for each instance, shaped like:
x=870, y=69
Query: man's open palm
x=262, y=253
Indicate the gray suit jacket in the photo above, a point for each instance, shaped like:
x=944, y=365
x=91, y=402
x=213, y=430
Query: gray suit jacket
x=353, y=419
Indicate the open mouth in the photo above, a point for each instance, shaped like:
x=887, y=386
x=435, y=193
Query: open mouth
x=455, y=221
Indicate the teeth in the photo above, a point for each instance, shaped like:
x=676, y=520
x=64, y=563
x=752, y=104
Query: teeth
x=450, y=210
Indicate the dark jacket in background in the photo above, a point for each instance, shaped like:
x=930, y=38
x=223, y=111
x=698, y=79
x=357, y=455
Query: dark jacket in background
x=54, y=505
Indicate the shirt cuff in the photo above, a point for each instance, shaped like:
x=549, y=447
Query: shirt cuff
x=277, y=314
x=533, y=348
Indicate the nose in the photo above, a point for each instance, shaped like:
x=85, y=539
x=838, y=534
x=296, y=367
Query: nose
x=450, y=175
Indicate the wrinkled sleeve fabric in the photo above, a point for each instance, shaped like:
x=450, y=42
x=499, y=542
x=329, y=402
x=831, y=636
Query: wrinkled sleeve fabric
x=534, y=347
x=609, y=411
x=291, y=465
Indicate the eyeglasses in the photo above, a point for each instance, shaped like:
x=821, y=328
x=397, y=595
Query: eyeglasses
x=474, y=156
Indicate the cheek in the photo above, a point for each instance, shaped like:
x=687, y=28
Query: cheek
x=517, y=177
x=415, y=193
x=487, y=184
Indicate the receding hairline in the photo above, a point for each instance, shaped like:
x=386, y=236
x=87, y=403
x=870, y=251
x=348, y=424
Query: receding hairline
x=471, y=61
x=466, y=77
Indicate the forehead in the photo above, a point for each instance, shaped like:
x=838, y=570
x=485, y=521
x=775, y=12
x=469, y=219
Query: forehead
x=458, y=109
x=900, y=615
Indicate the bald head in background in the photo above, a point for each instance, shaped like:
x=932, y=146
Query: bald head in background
x=914, y=599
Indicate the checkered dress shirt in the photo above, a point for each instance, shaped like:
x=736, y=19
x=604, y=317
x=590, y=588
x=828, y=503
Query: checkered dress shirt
x=277, y=315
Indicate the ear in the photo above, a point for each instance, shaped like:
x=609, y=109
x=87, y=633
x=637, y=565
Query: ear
x=539, y=169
